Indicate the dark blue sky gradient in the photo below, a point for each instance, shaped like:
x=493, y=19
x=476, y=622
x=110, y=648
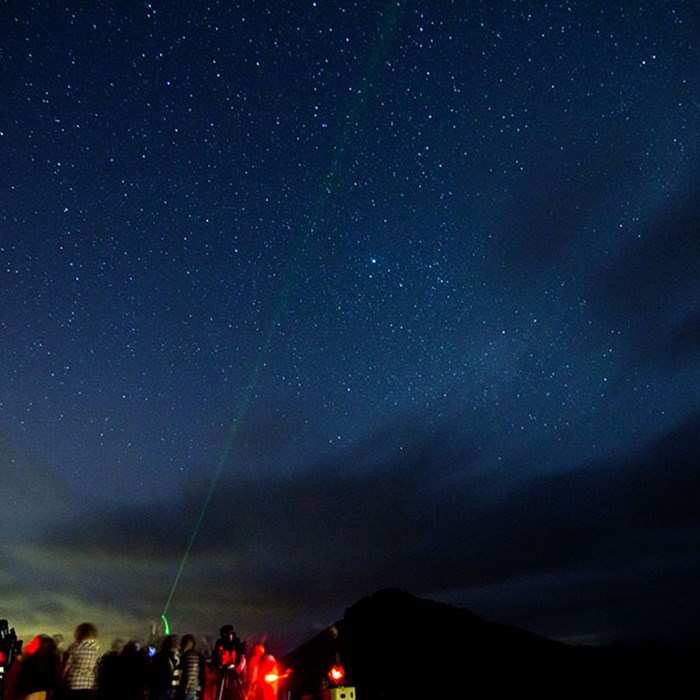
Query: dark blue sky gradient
x=414, y=285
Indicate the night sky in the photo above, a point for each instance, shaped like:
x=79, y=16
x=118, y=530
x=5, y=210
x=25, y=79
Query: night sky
x=305, y=299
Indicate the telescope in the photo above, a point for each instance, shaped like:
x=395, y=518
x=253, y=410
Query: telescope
x=10, y=647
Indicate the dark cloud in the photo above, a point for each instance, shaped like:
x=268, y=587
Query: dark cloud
x=419, y=517
x=552, y=209
x=652, y=286
x=684, y=341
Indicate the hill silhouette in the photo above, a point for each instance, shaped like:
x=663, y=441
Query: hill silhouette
x=395, y=646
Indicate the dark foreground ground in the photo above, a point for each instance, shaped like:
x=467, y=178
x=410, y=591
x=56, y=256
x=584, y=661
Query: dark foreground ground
x=398, y=647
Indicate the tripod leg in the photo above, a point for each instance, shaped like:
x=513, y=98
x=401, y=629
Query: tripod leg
x=238, y=688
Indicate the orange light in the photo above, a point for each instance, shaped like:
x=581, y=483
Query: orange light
x=336, y=674
x=273, y=677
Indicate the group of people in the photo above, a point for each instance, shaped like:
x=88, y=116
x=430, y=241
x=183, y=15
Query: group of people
x=178, y=670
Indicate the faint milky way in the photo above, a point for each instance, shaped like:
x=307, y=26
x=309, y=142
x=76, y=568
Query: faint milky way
x=413, y=284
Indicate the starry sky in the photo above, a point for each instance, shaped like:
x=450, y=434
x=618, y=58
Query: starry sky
x=305, y=299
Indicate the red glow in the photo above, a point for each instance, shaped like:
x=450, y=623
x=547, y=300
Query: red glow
x=32, y=647
x=337, y=673
x=2, y=657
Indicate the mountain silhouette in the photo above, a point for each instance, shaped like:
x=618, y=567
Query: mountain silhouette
x=395, y=646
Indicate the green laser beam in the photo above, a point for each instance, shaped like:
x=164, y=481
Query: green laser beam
x=233, y=431
x=330, y=181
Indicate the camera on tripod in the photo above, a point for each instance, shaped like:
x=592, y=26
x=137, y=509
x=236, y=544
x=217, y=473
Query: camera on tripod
x=229, y=660
x=10, y=647
x=229, y=651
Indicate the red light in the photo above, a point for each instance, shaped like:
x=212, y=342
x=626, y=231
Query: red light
x=2, y=657
x=336, y=674
x=32, y=647
x=227, y=657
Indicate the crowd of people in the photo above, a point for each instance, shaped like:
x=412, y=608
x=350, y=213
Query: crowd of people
x=179, y=669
